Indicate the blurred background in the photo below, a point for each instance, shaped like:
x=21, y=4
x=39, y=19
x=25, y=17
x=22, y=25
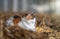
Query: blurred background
x=48, y=6
x=41, y=6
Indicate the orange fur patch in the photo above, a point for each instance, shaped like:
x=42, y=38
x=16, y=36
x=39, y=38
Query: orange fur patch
x=16, y=21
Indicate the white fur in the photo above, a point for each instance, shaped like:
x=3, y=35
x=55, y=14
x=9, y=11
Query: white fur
x=9, y=22
x=29, y=25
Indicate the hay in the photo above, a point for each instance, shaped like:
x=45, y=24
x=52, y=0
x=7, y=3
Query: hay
x=18, y=33
x=45, y=27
